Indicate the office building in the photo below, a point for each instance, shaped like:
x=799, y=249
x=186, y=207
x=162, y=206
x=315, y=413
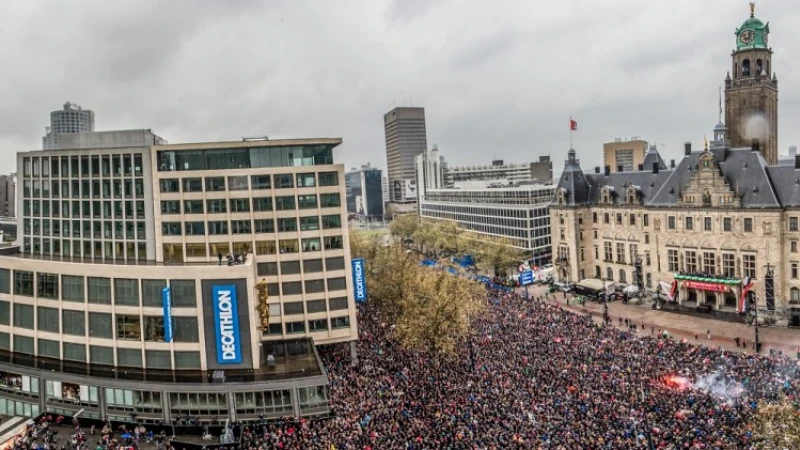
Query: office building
x=385, y=190
x=172, y=280
x=406, y=138
x=365, y=192
x=71, y=119
x=500, y=172
x=8, y=194
x=430, y=171
x=624, y=155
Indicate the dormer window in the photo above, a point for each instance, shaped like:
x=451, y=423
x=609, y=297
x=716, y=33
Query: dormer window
x=606, y=195
x=633, y=195
x=561, y=196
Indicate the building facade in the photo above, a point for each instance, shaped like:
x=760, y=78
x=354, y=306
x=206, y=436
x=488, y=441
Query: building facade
x=406, y=137
x=365, y=192
x=123, y=285
x=751, y=90
x=71, y=119
x=535, y=172
x=624, y=155
x=517, y=214
x=8, y=196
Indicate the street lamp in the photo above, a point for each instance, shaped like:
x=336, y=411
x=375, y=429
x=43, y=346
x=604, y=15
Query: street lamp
x=605, y=303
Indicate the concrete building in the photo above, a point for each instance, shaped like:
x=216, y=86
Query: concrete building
x=385, y=190
x=624, y=155
x=8, y=194
x=430, y=168
x=535, y=172
x=365, y=192
x=71, y=119
x=406, y=138
x=120, y=299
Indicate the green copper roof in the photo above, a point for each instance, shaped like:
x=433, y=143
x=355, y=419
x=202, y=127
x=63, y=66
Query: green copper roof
x=752, y=34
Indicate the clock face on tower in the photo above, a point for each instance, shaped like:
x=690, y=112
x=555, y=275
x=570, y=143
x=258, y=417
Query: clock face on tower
x=746, y=37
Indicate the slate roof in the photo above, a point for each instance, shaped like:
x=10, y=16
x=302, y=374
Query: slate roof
x=651, y=157
x=759, y=185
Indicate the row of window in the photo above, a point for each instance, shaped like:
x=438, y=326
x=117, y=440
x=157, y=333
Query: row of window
x=240, y=182
x=83, y=166
x=692, y=261
x=245, y=158
x=86, y=209
x=247, y=204
x=129, y=251
x=107, y=189
x=247, y=226
x=688, y=222
x=87, y=229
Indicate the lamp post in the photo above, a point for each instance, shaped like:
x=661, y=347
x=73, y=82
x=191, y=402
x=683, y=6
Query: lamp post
x=605, y=303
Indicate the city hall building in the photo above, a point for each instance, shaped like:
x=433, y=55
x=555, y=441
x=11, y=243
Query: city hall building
x=169, y=282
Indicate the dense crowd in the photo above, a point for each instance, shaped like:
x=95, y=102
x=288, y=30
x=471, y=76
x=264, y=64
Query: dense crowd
x=539, y=377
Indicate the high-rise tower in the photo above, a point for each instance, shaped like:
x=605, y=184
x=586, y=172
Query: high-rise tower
x=751, y=90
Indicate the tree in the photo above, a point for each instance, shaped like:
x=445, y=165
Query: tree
x=777, y=426
x=432, y=309
x=404, y=226
x=495, y=253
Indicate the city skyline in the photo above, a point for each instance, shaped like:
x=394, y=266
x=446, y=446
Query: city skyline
x=136, y=65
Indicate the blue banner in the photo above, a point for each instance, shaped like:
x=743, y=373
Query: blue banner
x=226, y=324
x=359, y=280
x=166, y=300
x=526, y=278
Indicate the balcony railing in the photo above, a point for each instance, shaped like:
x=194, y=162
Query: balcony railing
x=562, y=260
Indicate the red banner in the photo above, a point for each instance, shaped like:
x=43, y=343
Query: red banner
x=705, y=286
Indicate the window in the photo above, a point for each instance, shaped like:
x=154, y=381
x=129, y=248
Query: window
x=793, y=224
x=634, y=252
x=337, y=303
x=185, y=329
x=5, y=313
x=75, y=352
x=315, y=286
x=99, y=290
x=312, y=265
x=328, y=178
x=47, y=285
x=129, y=327
x=284, y=181
x=49, y=349
x=217, y=227
x=306, y=201
x=295, y=327
x=101, y=355
x=192, y=185
x=23, y=316
x=706, y=223
x=794, y=295
x=318, y=325
x=240, y=227
x=607, y=251
x=195, y=228
x=793, y=271
x=709, y=263
x=632, y=219
x=672, y=260
x=334, y=263
x=129, y=357
x=749, y=266
x=290, y=267
x=171, y=228
x=23, y=344
x=47, y=319
x=793, y=246
x=284, y=203
x=291, y=288
x=170, y=185
x=240, y=205
x=262, y=204
x=623, y=278
x=287, y=224
x=748, y=225
x=689, y=223
x=331, y=221
x=267, y=269
x=671, y=222
x=152, y=291
x=337, y=284
x=126, y=292
x=100, y=325
x=216, y=206
x=619, y=219
x=645, y=220
x=183, y=294
x=237, y=183
x=329, y=200
x=154, y=328
x=73, y=322
x=728, y=265
x=5, y=281
x=187, y=360
x=306, y=180
x=340, y=322
x=23, y=283
x=260, y=181
x=727, y=224
x=264, y=225
x=215, y=184
x=292, y=308
x=170, y=207
x=620, y=252
x=691, y=261
x=192, y=207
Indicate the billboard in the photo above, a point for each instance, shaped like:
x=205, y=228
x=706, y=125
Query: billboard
x=226, y=324
x=359, y=280
x=242, y=309
x=166, y=300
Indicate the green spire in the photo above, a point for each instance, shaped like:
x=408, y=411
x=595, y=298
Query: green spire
x=753, y=33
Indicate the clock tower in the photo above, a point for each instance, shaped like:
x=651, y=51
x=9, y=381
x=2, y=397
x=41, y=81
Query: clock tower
x=751, y=90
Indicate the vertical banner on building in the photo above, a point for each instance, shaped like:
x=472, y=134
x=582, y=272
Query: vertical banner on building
x=166, y=300
x=226, y=324
x=359, y=282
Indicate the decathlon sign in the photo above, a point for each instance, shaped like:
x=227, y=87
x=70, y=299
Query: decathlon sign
x=359, y=282
x=226, y=324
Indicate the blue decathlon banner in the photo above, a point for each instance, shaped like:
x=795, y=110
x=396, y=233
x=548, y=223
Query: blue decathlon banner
x=166, y=300
x=359, y=280
x=226, y=324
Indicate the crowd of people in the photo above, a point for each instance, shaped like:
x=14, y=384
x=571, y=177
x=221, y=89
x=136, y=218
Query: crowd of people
x=531, y=376
x=538, y=377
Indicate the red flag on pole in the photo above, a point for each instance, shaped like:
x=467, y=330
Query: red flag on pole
x=573, y=125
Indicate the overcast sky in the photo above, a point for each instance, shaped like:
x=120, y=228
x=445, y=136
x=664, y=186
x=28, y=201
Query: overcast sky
x=498, y=79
